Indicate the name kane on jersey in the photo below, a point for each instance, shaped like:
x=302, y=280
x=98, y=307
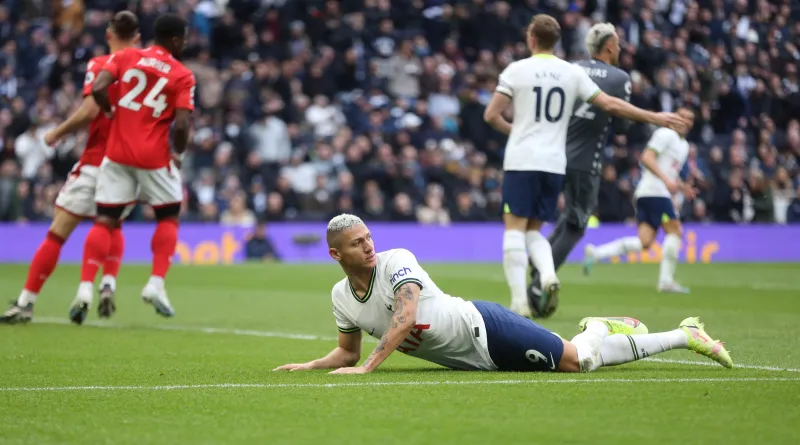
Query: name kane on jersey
x=543, y=89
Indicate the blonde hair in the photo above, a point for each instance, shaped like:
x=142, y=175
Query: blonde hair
x=339, y=224
x=597, y=37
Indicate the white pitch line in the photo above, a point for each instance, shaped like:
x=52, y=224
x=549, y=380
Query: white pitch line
x=199, y=329
x=735, y=365
x=411, y=383
x=286, y=335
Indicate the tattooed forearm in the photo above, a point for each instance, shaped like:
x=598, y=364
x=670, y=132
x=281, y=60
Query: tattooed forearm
x=399, y=326
x=404, y=292
x=378, y=349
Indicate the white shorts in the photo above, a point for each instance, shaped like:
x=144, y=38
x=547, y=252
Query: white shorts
x=119, y=184
x=78, y=193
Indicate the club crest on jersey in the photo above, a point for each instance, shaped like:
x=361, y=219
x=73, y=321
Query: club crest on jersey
x=399, y=274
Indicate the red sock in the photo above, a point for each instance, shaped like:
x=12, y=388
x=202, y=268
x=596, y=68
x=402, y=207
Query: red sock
x=95, y=251
x=163, y=245
x=114, y=258
x=44, y=262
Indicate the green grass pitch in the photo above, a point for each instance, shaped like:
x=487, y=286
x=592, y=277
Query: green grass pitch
x=205, y=376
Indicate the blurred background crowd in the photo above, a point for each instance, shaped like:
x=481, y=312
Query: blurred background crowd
x=308, y=108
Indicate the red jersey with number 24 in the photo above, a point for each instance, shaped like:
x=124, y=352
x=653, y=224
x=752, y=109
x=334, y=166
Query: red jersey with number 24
x=100, y=125
x=152, y=85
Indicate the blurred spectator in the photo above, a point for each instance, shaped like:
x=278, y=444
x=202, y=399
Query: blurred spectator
x=325, y=119
x=783, y=194
x=10, y=205
x=614, y=208
x=432, y=211
x=793, y=212
x=237, y=213
x=259, y=247
x=761, y=194
x=466, y=210
x=31, y=153
x=305, y=109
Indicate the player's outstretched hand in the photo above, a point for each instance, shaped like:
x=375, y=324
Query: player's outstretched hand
x=356, y=370
x=295, y=367
x=50, y=139
x=670, y=120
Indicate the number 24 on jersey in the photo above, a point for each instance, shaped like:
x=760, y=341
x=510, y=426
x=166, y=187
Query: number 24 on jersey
x=154, y=98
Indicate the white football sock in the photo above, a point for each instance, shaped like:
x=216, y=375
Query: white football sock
x=618, y=349
x=109, y=280
x=618, y=247
x=26, y=297
x=85, y=291
x=589, y=343
x=541, y=254
x=515, y=265
x=158, y=282
x=669, y=258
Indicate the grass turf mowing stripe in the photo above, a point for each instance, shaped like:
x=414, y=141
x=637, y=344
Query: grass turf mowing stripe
x=286, y=335
x=412, y=383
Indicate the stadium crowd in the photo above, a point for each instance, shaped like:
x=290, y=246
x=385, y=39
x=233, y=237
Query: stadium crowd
x=307, y=108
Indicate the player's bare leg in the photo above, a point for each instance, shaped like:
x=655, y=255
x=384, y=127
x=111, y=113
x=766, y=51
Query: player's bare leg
x=541, y=255
x=515, y=261
x=44, y=262
x=669, y=258
x=163, y=244
x=618, y=247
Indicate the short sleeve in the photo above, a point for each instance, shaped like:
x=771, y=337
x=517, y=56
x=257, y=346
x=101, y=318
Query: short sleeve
x=402, y=268
x=587, y=89
x=505, y=82
x=186, y=87
x=93, y=68
x=343, y=323
x=659, y=140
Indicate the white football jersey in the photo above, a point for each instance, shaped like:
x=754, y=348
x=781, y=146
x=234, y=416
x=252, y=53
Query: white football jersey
x=543, y=89
x=448, y=331
x=672, y=151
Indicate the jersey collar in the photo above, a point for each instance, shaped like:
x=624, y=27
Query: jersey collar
x=157, y=47
x=369, y=289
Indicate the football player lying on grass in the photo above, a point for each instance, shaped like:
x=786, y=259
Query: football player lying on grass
x=393, y=299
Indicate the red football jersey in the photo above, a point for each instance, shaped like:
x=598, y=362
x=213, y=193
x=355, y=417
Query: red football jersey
x=100, y=125
x=152, y=85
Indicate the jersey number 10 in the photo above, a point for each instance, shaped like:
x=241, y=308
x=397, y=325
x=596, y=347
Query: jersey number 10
x=548, y=104
x=154, y=100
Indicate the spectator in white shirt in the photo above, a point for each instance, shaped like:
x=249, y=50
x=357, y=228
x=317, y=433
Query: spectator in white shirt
x=325, y=118
x=271, y=136
x=31, y=152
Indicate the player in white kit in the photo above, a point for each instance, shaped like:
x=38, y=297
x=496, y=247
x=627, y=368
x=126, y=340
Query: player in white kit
x=543, y=90
x=391, y=297
x=663, y=160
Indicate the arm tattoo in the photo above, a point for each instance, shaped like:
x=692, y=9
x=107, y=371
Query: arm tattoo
x=400, y=296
